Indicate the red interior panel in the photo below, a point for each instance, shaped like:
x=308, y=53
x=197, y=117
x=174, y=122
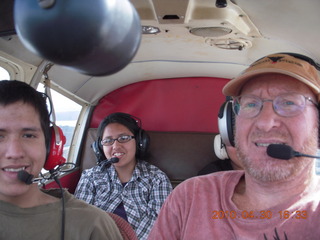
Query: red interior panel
x=183, y=104
x=68, y=181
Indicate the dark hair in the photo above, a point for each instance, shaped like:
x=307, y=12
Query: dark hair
x=134, y=126
x=12, y=91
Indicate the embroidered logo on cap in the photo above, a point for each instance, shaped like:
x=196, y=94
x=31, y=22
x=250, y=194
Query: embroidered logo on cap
x=281, y=59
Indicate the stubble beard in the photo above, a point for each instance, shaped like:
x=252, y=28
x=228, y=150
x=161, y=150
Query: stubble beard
x=272, y=171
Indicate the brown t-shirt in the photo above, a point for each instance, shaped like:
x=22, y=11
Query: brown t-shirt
x=82, y=221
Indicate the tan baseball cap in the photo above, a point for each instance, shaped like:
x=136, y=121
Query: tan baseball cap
x=281, y=63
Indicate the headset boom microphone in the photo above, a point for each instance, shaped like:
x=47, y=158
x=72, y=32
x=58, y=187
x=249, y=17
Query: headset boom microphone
x=27, y=178
x=112, y=160
x=285, y=152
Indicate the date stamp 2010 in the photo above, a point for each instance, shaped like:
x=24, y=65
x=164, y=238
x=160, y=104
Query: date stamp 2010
x=264, y=214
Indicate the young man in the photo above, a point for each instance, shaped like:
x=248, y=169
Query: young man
x=275, y=102
x=26, y=211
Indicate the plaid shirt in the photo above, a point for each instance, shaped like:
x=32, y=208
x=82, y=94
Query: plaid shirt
x=142, y=196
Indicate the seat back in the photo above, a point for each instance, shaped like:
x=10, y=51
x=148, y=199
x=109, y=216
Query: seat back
x=180, y=155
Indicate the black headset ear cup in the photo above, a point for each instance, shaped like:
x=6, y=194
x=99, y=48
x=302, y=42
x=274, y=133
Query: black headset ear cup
x=143, y=143
x=98, y=151
x=226, y=120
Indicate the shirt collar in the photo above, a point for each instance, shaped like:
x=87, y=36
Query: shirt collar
x=140, y=171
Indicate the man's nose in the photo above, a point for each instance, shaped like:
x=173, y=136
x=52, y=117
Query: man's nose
x=267, y=118
x=14, y=148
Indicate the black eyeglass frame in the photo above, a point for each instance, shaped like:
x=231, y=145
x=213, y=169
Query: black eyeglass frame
x=103, y=143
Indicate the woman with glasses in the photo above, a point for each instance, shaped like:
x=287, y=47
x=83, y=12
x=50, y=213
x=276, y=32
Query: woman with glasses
x=130, y=187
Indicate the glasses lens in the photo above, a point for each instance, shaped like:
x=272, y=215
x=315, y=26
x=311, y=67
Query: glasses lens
x=107, y=141
x=289, y=105
x=247, y=106
x=124, y=139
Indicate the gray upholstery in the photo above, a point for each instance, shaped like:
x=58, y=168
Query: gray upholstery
x=180, y=155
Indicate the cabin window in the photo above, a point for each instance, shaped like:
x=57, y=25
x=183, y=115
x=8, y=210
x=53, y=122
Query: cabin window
x=4, y=74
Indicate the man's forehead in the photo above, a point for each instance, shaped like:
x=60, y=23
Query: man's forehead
x=19, y=113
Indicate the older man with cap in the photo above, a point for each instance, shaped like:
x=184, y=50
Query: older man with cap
x=276, y=104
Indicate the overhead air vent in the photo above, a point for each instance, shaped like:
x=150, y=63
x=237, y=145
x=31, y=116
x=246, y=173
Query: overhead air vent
x=169, y=11
x=210, y=31
x=230, y=44
x=170, y=17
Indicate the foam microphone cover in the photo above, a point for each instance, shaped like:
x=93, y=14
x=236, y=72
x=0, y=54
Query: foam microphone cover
x=280, y=151
x=114, y=160
x=95, y=38
x=25, y=177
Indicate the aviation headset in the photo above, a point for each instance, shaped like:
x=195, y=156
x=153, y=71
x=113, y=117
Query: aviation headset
x=133, y=124
x=226, y=116
x=225, y=138
x=55, y=149
x=54, y=143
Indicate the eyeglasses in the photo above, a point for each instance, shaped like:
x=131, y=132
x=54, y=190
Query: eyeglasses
x=285, y=105
x=120, y=139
